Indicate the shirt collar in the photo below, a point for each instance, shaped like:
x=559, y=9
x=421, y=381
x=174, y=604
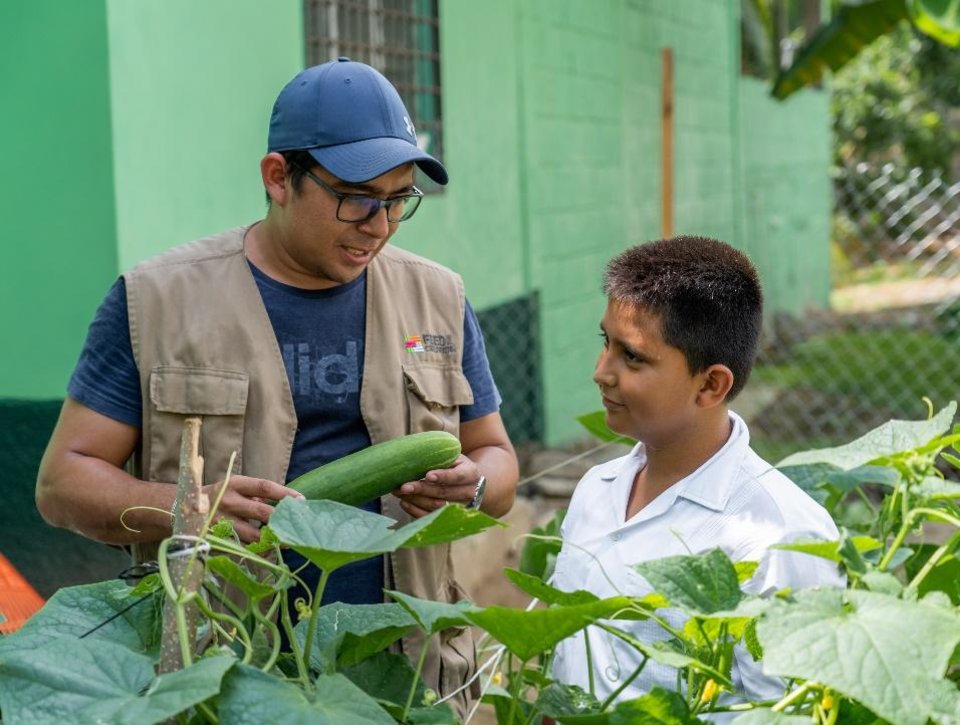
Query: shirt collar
x=711, y=484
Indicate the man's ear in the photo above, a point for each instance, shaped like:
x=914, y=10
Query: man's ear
x=273, y=171
x=715, y=385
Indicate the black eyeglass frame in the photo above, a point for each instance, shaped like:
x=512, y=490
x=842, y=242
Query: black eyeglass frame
x=374, y=202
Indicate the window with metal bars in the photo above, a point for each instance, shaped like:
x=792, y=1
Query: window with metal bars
x=400, y=38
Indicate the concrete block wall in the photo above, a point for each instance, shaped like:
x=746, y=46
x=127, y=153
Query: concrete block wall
x=591, y=115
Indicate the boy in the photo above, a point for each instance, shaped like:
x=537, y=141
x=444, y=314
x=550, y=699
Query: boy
x=679, y=338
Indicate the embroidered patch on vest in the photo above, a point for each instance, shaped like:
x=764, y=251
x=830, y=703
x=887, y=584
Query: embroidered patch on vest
x=428, y=342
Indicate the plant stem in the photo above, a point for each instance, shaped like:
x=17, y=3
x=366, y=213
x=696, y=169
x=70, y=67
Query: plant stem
x=516, y=684
x=626, y=683
x=933, y=561
x=797, y=694
x=237, y=625
x=908, y=524
x=897, y=542
x=208, y=713
x=292, y=639
x=312, y=624
x=416, y=678
x=586, y=644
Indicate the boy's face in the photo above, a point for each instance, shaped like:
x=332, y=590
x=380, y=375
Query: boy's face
x=647, y=388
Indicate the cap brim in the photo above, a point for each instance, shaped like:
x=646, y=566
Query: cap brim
x=364, y=160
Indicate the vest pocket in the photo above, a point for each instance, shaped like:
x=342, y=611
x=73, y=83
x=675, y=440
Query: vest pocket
x=217, y=396
x=434, y=396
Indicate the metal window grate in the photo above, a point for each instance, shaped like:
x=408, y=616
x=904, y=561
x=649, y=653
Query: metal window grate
x=401, y=39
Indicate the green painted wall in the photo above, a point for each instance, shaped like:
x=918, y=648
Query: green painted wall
x=192, y=85
x=56, y=193
x=475, y=225
x=551, y=136
x=591, y=79
x=787, y=194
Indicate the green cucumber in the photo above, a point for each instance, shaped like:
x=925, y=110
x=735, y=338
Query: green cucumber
x=377, y=470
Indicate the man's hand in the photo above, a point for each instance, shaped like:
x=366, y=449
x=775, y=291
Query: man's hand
x=456, y=484
x=244, y=503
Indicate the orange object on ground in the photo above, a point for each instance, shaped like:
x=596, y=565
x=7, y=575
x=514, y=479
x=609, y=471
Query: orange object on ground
x=18, y=600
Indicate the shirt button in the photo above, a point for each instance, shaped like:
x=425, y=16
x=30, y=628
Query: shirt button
x=615, y=536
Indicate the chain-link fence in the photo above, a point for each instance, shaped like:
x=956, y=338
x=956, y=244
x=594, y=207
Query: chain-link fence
x=891, y=335
x=513, y=348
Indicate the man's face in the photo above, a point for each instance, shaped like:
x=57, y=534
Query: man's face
x=332, y=251
x=645, y=384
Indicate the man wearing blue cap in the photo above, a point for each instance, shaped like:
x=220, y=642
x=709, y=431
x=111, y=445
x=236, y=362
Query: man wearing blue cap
x=299, y=339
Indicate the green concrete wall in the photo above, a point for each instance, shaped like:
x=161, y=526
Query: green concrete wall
x=591, y=98
x=787, y=194
x=475, y=225
x=56, y=192
x=551, y=114
x=193, y=84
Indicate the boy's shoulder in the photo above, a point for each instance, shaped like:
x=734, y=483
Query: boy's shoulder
x=770, y=495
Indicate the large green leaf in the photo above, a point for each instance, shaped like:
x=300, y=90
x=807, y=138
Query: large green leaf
x=894, y=436
x=251, y=697
x=934, y=488
x=657, y=707
x=528, y=633
x=834, y=44
x=885, y=652
x=361, y=629
x=387, y=677
x=96, y=681
x=831, y=550
x=940, y=19
x=434, y=616
x=231, y=572
x=558, y=701
x=596, y=423
x=663, y=654
x=541, y=547
x=331, y=534
x=944, y=577
x=536, y=587
x=75, y=611
x=699, y=585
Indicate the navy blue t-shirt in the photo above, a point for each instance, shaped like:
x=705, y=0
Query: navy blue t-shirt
x=321, y=338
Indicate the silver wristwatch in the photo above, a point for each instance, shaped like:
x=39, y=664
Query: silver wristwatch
x=478, y=493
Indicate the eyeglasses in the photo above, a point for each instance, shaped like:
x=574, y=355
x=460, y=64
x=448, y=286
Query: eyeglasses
x=356, y=208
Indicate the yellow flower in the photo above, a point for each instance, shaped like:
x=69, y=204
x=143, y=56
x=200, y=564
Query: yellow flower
x=710, y=691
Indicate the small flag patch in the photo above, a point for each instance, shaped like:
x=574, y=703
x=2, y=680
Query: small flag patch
x=414, y=343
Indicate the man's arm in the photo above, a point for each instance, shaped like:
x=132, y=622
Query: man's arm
x=486, y=450
x=82, y=486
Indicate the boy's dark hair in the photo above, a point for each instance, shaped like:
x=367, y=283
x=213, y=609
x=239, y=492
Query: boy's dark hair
x=706, y=293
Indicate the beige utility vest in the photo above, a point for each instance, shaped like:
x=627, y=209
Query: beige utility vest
x=204, y=346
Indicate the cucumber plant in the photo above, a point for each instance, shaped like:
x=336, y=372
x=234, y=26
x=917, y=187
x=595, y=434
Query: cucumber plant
x=883, y=650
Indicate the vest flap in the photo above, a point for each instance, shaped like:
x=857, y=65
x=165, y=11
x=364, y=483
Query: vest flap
x=443, y=385
x=199, y=391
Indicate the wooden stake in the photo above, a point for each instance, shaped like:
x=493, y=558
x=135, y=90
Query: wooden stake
x=666, y=143
x=189, y=510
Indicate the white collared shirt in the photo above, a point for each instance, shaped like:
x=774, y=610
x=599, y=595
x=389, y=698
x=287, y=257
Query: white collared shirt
x=735, y=501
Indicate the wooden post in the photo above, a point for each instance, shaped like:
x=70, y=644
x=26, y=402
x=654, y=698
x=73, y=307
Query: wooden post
x=189, y=510
x=666, y=142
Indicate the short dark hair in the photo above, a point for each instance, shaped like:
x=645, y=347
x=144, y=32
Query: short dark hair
x=706, y=293
x=298, y=162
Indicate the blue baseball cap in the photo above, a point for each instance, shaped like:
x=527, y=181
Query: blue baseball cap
x=352, y=121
